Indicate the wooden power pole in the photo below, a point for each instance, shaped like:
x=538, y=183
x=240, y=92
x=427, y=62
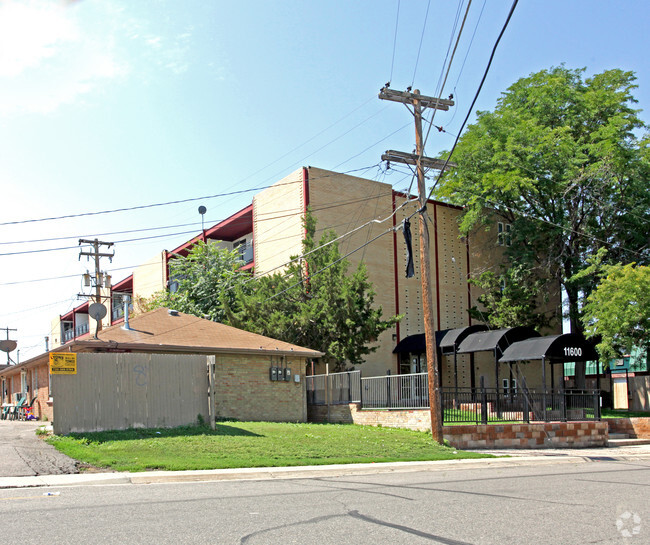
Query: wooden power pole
x=419, y=102
x=99, y=280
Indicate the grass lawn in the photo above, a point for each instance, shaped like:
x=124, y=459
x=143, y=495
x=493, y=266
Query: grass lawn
x=618, y=413
x=251, y=444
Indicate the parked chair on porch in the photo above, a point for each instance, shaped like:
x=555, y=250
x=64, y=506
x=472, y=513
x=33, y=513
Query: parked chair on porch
x=14, y=412
x=6, y=408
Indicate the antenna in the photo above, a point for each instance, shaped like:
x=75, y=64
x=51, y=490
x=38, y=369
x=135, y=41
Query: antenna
x=8, y=345
x=97, y=311
x=202, y=211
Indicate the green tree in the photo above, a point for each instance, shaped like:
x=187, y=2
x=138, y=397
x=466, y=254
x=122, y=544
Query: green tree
x=617, y=311
x=316, y=304
x=510, y=299
x=206, y=281
x=560, y=160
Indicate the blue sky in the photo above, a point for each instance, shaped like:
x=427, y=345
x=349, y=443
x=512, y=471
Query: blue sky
x=105, y=105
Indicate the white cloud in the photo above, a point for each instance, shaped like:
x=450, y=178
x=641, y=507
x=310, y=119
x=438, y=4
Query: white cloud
x=49, y=58
x=30, y=33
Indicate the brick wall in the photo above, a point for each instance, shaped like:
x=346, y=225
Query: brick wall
x=634, y=427
x=244, y=390
x=540, y=435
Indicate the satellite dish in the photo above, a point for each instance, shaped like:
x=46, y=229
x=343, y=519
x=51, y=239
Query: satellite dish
x=97, y=311
x=8, y=346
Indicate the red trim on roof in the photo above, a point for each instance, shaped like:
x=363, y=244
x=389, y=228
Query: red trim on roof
x=124, y=285
x=232, y=228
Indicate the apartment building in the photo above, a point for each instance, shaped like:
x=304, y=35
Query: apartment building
x=270, y=229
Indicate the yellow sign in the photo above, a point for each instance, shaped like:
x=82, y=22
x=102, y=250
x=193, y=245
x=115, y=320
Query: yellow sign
x=63, y=364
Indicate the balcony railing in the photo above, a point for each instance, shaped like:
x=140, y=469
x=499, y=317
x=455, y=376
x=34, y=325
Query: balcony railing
x=117, y=313
x=80, y=330
x=68, y=335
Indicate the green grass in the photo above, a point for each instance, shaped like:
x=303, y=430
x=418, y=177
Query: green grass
x=618, y=413
x=251, y=444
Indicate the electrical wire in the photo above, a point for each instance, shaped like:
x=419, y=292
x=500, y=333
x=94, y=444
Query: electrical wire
x=311, y=275
x=392, y=62
x=424, y=26
x=444, y=82
x=126, y=209
x=478, y=91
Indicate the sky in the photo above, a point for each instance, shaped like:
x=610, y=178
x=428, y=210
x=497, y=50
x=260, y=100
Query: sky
x=107, y=105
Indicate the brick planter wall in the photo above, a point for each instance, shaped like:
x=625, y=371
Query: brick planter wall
x=634, y=427
x=493, y=436
x=542, y=435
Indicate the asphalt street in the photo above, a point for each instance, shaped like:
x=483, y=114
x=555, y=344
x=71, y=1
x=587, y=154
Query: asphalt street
x=564, y=503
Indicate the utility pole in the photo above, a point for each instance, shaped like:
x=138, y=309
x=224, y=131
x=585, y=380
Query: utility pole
x=100, y=279
x=419, y=102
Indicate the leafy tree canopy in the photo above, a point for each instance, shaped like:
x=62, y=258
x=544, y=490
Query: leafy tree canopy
x=617, y=312
x=561, y=160
x=315, y=304
x=207, y=278
x=510, y=299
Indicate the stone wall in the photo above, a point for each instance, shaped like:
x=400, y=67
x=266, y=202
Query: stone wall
x=493, y=436
x=634, y=427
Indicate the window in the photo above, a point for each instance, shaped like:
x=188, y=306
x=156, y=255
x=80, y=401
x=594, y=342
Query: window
x=510, y=386
x=504, y=234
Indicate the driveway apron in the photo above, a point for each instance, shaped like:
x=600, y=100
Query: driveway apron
x=23, y=453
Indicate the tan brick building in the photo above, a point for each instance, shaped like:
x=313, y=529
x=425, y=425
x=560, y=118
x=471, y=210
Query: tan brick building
x=269, y=230
x=243, y=387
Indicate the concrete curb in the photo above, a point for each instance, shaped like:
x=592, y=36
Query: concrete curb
x=300, y=472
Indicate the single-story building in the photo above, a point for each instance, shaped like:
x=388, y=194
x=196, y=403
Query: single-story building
x=146, y=360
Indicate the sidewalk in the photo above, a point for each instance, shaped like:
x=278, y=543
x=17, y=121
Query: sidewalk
x=517, y=458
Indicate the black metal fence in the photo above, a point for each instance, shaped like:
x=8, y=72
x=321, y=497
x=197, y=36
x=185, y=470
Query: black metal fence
x=459, y=405
x=337, y=388
x=487, y=405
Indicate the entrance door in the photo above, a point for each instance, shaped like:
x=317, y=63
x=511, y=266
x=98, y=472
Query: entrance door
x=620, y=391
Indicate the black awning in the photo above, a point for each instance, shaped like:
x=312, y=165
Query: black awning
x=553, y=348
x=413, y=344
x=416, y=344
x=453, y=337
x=498, y=339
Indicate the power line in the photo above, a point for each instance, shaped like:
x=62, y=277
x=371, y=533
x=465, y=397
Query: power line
x=559, y=226
x=126, y=209
x=392, y=62
x=424, y=26
x=290, y=213
x=478, y=91
x=311, y=275
x=444, y=82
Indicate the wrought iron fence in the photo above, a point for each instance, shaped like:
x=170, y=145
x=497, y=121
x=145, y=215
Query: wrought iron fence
x=459, y=405
x=487, y=405
x=337, y=388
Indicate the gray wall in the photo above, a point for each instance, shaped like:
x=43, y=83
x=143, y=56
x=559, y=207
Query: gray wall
x=120, y=391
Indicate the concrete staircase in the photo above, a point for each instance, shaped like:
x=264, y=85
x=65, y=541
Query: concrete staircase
x=625, y=440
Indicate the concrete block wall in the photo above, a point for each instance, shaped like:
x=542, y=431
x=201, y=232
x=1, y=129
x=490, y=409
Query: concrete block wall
x=243, y=390
x=493, y=436
x=523, y=436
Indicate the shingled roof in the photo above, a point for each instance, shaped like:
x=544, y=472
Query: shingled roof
x=164, y=330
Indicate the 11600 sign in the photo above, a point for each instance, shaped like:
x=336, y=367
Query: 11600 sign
x=572, y=351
